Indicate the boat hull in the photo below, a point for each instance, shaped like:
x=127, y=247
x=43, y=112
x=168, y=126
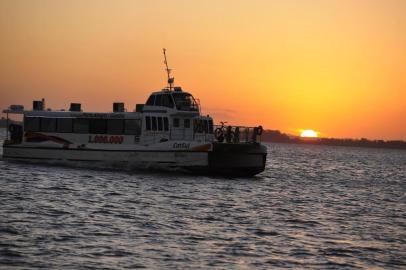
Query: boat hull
x=223, y=159
x=245, y=159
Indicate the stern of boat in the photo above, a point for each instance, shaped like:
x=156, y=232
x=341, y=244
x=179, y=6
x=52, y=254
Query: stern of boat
x=237, y=159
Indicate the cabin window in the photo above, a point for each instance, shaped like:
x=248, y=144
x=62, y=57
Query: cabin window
x=198, y=126
x=211, y=126
x=175, y=122
x=186, y=123
x=205, y=126
x=32, y=124
x=154, y=127
x=160, y=128
x=133, y=126
x=48, y=124
x=64, y=125
x=167, y=101
x=151, y=100
x=158, y=100
x=115, y=126
x=166, y=124
x=148, y=123
x=97, y=126
x=81, y=125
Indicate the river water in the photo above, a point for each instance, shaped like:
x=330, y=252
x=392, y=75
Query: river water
x=313, y=207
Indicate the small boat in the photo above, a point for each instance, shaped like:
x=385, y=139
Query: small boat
x=167, y=132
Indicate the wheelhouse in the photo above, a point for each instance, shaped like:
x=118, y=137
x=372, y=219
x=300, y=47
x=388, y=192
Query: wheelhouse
x=176, y=100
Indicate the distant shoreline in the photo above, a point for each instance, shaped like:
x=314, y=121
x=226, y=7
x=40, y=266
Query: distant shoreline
x=277, y=136
x=3, y=122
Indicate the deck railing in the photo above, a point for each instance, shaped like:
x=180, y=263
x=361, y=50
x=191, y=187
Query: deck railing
x=237, y=134
x=220, y=133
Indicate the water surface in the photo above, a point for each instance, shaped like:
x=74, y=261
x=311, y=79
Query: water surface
x=313, y=207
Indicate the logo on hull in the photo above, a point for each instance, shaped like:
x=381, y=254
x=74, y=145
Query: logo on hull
x=181, y=145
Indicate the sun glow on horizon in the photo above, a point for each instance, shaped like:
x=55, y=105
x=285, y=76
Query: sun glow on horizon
x=309, y=133
x=288, y=65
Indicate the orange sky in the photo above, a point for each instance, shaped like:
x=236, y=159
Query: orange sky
x=338, y=67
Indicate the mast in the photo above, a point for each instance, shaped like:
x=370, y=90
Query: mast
x=171, y=80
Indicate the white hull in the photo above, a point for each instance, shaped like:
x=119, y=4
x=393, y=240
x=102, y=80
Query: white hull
x=204, y=162
x=178, y=158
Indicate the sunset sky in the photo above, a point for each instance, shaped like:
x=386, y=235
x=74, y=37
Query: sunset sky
x=338, y=67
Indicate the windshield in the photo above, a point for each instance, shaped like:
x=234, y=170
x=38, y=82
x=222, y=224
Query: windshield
x=185, y=102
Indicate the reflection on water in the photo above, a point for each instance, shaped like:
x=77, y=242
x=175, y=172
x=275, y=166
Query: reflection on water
x=313, y=207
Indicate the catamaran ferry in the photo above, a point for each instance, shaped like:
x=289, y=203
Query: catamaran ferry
x=168, y=131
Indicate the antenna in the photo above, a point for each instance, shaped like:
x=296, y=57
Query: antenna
x=171, y=80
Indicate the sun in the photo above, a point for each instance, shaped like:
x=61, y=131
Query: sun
x=309, y=133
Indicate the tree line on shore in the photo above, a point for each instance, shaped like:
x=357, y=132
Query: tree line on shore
x=277, y=136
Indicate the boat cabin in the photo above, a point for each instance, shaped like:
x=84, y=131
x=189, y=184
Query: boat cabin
x=166, y=115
